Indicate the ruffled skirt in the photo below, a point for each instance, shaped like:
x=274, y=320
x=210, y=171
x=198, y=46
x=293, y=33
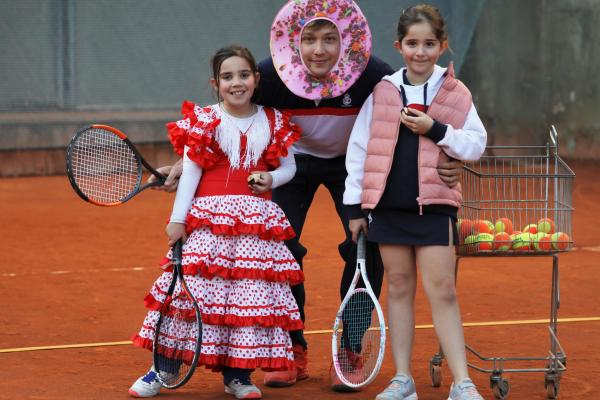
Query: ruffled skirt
x=239, y=271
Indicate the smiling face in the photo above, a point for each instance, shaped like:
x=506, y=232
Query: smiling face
x=235, y=85
x=420, y=49
x=320, y=48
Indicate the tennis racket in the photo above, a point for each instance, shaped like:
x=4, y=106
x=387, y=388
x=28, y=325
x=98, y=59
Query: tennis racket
x=105, y=168
x=178, y=332
x=358, y=341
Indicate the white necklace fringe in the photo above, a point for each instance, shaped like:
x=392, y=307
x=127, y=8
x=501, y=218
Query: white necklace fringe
x=258, y=137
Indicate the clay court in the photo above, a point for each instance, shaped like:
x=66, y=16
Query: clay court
x=75, y=275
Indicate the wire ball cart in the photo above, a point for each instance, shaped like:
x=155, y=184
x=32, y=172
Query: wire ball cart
x=517, y=202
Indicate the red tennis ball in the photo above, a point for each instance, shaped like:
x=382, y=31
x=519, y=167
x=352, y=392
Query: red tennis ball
x=502, y=241
x=545, y=225
x=464, y=227
x=560, y=241
x=483, y=226
x=531, y=228
x=503, y=225
x=543, y=243
x=484, y=241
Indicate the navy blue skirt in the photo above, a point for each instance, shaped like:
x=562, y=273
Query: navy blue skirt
x=402, y=227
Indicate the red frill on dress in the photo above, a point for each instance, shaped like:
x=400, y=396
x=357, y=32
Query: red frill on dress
x=217, y=362
x=196, y=130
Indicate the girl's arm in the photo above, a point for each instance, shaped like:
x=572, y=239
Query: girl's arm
x=467, y=143
x=355, y=158
x=188, y=183
x=286, y=170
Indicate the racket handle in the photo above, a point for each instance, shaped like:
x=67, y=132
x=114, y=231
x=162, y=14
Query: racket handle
x=361, y=247
x=177, y=252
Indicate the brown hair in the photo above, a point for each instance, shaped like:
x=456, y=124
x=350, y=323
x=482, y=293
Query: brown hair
x=319, y=23
x=422, y=13
x=231, y=51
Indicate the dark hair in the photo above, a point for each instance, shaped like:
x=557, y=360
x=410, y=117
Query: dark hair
x=227, y=52
x=422, y=13
x=231, y=51
x=320, y=23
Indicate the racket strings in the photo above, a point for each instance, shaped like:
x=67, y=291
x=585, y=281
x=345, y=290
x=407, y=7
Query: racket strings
x=177, y=338
x=359, y=339
x=103, y=166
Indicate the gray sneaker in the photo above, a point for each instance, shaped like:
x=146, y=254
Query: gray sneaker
x=465, y=390
x=401, y=387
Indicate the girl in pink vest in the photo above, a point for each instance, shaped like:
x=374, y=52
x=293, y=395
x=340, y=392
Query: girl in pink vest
x=415, y=118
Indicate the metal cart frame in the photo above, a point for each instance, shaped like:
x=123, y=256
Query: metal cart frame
x=523, y=183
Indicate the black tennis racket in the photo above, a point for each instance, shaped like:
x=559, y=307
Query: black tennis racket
x=358, y=341
x=178, y=332
x=105, y=168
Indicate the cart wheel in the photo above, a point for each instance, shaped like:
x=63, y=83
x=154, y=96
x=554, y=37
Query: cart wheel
x=500, y=388
x=435, y=372
x=552, y=387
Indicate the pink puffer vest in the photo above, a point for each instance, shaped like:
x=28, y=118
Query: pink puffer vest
x=450, y=106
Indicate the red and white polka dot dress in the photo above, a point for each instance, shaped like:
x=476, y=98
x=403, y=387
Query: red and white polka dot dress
x=235, y=261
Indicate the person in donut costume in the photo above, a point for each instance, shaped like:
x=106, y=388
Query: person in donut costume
x=320, y=72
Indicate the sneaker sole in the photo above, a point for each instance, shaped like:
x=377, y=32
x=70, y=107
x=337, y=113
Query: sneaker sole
x=411, y=397
x=248, y=396
x=133, y=393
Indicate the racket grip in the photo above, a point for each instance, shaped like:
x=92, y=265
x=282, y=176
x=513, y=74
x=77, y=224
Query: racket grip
x=177, y=252
x=361, y=246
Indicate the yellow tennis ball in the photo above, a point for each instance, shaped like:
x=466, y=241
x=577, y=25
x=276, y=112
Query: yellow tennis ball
x=503, y=225
x=522, y=241
x=545, y=225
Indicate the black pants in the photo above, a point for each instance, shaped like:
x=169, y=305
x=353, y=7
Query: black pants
x=295, y=199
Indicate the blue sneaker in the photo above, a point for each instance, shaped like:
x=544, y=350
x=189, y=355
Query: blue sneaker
x=465, y=390
x=146, y=386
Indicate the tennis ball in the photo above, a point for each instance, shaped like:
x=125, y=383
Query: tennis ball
x=502, y=241
x=545, y=225
x=522, y=241
x=484, y=241
x=543, y=243
x=560, y=241
x=483, y=226
x=464, y=227
x=531, y=228
x=503, y=225
x=471, y=239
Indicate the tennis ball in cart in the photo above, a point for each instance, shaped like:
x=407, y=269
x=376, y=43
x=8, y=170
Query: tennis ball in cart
x=523, y=241
x=464, y=227
x=483, y=226
x=545, y=225
x=560, y=240
x=543, y=242
x=503, y=225
x=531, y=228
x=502, y=241
x=484, y=241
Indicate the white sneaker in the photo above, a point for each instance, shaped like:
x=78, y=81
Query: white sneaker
x=465, y=390
x=146, y=386
x=241, y=391
x=401, y=387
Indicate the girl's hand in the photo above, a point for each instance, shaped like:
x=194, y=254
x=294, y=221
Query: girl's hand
x=260, y=182
x=173, y=172
x=415, y=120
x=357, y=225
x=175, y=231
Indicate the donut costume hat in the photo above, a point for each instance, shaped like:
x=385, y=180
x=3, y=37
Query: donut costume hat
x=355, y=46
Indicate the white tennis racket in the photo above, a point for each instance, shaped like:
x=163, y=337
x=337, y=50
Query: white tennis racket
x=358, y=341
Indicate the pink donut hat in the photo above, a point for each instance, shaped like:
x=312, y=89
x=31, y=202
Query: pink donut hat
x=355, y=46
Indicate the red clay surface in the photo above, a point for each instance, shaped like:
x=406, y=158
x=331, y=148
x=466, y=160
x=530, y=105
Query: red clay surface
x=75, y=273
